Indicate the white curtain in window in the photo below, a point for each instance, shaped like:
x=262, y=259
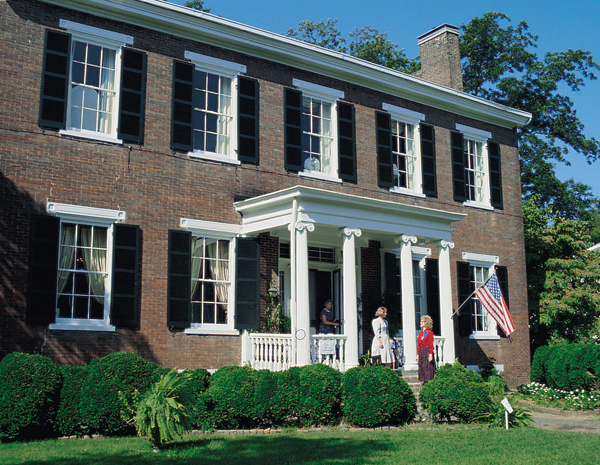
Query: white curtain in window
x=94, y=259
x=107, y=92
x=218, y=252
x=67, y=252
x=197, y=260
x=224, y=116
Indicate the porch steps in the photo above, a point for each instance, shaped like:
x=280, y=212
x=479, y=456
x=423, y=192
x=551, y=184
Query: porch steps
x=412, y=379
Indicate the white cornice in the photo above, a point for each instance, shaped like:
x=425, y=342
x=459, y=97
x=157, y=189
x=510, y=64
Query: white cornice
x=187, y=23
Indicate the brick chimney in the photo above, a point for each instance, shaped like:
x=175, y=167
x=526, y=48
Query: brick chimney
x=440, y=57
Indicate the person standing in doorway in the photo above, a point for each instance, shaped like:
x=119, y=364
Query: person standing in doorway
x=425, y=357
x=327, y=322
x=380, y=347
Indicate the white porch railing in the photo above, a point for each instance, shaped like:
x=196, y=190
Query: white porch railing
x=263, y=351
x=438, y=350
x=267, y=351
x=329, y=349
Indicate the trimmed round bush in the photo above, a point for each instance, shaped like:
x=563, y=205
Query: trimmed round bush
x=230, y=397
x=68, y=417
x=29, y=391
x=111, y=391
x=286, y=397
x=572, y=366
x=457, y=391
x=320, y=395
x=376, y=396
x=264, y=389
x=538, y=364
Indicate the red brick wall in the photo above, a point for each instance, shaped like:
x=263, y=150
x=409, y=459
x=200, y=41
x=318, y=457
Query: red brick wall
x=157, y=187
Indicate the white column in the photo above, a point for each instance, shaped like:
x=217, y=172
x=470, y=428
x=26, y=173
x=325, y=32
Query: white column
x=349, y=290
x=409, y=334
x=446, y=321
x=302, y=333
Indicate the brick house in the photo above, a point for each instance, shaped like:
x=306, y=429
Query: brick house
x=162, y=168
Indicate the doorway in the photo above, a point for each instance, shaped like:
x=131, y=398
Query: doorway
x=325, y=285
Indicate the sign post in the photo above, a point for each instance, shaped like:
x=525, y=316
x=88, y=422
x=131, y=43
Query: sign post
x=507, y=409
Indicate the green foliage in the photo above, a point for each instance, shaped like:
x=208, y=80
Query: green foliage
x=198, y=383
x=286, y=398
x=567, y=367
x=275, y=320
x=164, y=413
x=29, y=390
x=322, y=33
x=376, y=396
x=457, y=391
x=197, y=5
x=69, y=420
x=112, y=389
x=320, y=394
x=578, y=399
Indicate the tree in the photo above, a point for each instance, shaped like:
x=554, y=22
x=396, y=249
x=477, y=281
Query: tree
x=367, y=43
x=499, y=64
x=563, y=278
x=197, y=5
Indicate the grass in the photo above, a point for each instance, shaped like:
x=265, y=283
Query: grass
x=433, y=445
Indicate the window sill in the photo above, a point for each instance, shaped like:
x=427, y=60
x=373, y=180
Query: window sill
x=85, y=326
x=485, y=337
x=404, y=191
x=98, y=136
x=213, y=331
x=320, y=176
x=214, y=157
x=483, y=206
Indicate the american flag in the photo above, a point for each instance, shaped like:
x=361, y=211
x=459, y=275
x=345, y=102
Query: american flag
x=490, y=296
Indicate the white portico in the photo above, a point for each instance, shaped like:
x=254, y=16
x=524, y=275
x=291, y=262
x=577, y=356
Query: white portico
x=307, y=216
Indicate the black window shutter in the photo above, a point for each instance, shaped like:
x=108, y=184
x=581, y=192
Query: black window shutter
x=248, y=107
x=55, y=80
x=432, y=282
x=182, y=106
x=293, y=130
x=458, y=167
x=502, y=274
x=391, y=278
x=464, y=291
x=495, y=175
x=428, y=168
x=179, y=286
x=124, y=309
x=247, y=299
x=385, y=171
x=346, y=142
x=133, y=96
x=43, y=269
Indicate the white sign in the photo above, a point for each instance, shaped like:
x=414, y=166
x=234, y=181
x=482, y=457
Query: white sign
x=507, y=405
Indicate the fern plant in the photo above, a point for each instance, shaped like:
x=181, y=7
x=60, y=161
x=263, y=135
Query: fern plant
x=164, y=413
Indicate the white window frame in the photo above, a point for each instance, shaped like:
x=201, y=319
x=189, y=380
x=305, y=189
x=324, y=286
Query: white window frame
x=479, y=136
x=221, y=231
x=487, y=262
x=103, y=217
x=103, y=38
x=329, y=96
x=403, y=115
x=230, y=70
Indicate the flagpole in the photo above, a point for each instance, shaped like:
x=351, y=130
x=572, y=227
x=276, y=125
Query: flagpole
x=469, y=298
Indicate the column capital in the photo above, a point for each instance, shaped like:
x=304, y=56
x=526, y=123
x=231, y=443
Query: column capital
x=302, y=225
x=349, y=232
x=445, y=244
x=406, y=239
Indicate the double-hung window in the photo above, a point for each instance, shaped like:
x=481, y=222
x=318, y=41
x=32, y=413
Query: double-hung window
x=476, y=168
x=215, y=110
x=473, y=272
x=93, y=86
x=405, y=152
x=319, y=133
x=94, y=267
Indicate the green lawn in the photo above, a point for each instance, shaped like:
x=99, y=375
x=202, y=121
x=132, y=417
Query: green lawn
x=443, y=445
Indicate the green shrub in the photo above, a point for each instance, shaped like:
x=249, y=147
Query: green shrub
x=29, y=392
x=165, y=411
x=230, y=397
x=573, y=366
x=320, y=395
x=68, y=417
x=112, y=389
x=286, y=398
x=264, y=389
x=457, y=391
x=376, y=396
x=538, y=364
x=198, y=384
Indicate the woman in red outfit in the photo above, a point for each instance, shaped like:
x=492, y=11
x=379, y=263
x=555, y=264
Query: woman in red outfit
x=425, y=350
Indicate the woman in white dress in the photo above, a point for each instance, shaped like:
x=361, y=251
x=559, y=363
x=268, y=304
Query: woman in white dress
x=380, y=347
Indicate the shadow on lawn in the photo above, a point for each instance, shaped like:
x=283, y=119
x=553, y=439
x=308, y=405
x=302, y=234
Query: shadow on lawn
x=239, y=450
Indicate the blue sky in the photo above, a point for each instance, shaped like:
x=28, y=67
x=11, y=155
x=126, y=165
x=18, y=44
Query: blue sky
x=559, y=25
